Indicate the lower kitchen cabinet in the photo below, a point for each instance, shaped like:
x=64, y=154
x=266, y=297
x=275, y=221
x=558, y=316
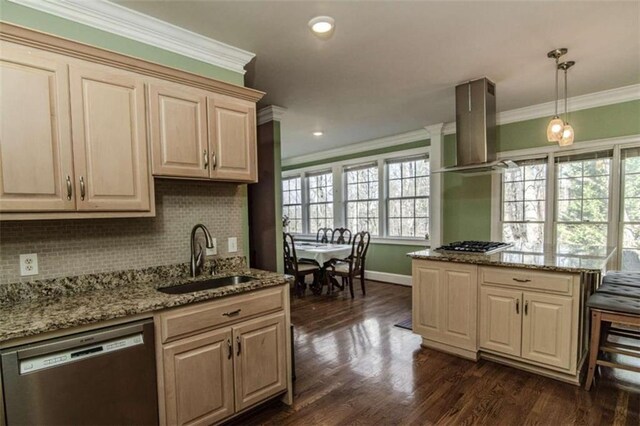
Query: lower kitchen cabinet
x=234, y=355
x=546, y=329
x=198, y=379
x=528, y=325
x=445, y=305
x=260, y=362
x=501, y=320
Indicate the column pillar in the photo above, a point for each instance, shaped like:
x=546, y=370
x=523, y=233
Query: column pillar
x=436, y=137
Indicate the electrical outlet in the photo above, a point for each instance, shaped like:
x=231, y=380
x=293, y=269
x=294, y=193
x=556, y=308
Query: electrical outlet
x=214, y=250
x=28, y=264
x=233, y=245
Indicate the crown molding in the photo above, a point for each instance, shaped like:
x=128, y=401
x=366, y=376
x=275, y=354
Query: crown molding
x=119, y=20
x=413, y=136
x=270, y=113
x=435, y=129
x=576, y=103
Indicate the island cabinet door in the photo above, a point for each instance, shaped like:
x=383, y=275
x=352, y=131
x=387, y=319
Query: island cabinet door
x=36, y=167
x=232, y=135
x=500, y=320
x=198, y=379
x=260, y=359
x=546, y=329
x=426, y=300
x=178, y=127
x=109, y=139
x=459, y=293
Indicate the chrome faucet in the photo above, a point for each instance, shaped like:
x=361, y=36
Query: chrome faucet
x=197, y=260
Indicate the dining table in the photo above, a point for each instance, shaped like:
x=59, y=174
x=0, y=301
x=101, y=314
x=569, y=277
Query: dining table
x=322, y=254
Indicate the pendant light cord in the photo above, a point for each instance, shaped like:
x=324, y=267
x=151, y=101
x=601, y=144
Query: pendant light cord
x=556, y=87
x=566, y=110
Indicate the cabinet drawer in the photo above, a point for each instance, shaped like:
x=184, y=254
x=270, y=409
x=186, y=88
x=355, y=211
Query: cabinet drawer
x=183, y=322
x=545, y=281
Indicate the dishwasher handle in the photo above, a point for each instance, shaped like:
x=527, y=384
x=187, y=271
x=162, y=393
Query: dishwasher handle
x=88, y=338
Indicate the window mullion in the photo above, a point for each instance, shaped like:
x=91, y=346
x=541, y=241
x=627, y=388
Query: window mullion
x=382, y=204
x=304, y=190
x=615, y=202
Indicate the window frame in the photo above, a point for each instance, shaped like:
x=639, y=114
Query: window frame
x=388, y=198
x=617, y=144
x=308, y=204
x=339, y=194
x=291, y=177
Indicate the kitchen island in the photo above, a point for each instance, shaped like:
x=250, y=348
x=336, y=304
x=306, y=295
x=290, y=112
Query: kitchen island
x=521, y=309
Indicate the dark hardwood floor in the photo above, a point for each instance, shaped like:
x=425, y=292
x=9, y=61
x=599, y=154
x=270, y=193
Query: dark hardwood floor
x=354, y=367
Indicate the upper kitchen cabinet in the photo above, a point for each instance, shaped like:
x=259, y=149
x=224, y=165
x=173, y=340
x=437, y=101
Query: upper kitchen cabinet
x=179, y=144
x=109, y=139
x=36, y=166
x=232, y=138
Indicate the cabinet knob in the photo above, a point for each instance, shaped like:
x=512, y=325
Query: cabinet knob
x=526, y=307
x=214, y=160
x=522, y=280
x=239, y=346
x=229, y=349
x=206, y=159
x=517, y=306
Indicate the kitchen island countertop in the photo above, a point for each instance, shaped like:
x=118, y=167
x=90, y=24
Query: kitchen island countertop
x=576, y=260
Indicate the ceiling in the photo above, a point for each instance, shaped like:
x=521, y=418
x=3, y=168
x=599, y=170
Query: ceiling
x=391, y=67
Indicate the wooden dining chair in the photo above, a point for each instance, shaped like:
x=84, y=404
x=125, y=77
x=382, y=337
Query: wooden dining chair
x=352, y=266
x=341, y=236
x=299, y=268
x=324, y=235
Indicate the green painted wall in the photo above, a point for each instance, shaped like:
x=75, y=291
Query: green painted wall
x=395, y=148
x=390, y=258
x=277, y=167
x=40, y=21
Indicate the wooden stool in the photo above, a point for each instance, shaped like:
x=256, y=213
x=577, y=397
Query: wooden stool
x=612, y=304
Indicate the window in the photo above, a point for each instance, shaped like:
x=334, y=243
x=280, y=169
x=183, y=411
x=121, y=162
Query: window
x=582, y=207
x=292, y=203
x=362, y=194
x=320, y=201
x=631, y=209
x=524, y=204
x=408, y=201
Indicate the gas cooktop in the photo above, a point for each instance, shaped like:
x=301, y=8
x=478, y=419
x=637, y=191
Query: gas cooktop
x=477, y=247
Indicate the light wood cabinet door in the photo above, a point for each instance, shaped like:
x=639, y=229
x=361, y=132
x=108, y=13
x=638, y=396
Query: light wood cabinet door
x=546, y=329
x=232, y=136
x=36, y=170
x=501, y=320
x=198, y=379
x=109, y=139
x=459, y=293
x=260, y=362
x=178, y=127
x=426, y=300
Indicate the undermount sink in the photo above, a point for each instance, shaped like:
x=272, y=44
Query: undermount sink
x=206, y=284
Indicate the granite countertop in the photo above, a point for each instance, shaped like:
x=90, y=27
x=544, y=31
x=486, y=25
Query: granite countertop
x=573, y=260
x=28, y=309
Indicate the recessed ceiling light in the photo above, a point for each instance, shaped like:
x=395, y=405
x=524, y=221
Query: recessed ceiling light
x=318, y=133
x=322, y=24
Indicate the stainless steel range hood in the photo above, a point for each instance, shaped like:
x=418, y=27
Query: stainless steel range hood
x=476, y=129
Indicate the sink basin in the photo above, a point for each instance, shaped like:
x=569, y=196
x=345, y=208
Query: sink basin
x=206, y=284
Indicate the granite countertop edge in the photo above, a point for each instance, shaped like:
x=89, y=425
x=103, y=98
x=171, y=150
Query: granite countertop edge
x=484, y=260
x=28, y=318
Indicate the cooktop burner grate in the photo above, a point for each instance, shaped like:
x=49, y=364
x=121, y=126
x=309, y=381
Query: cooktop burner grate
x=481, y=247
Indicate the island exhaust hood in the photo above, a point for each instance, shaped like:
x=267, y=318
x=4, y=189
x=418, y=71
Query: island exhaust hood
x=476, y=129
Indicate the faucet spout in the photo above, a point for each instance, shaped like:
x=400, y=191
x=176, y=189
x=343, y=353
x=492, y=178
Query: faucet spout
x=197, y=259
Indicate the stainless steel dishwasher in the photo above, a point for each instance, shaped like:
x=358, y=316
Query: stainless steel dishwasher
x=105, y=376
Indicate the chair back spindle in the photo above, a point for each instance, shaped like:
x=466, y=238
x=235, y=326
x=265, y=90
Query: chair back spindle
x=341, y=236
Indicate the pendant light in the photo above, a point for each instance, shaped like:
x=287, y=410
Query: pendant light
x=567, y=130
x=556, y=125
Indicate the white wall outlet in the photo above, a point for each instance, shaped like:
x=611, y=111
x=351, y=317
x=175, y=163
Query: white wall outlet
x=233, y=245
x=28, y=264
x=214, y=250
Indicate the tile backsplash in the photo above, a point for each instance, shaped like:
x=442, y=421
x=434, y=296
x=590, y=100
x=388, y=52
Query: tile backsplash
x=82, y=246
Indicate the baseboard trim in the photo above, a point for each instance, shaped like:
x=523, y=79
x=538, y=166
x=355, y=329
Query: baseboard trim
x=388, y=277
x=452, y=350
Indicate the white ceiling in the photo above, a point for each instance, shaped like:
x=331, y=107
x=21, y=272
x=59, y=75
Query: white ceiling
x=391, y=67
